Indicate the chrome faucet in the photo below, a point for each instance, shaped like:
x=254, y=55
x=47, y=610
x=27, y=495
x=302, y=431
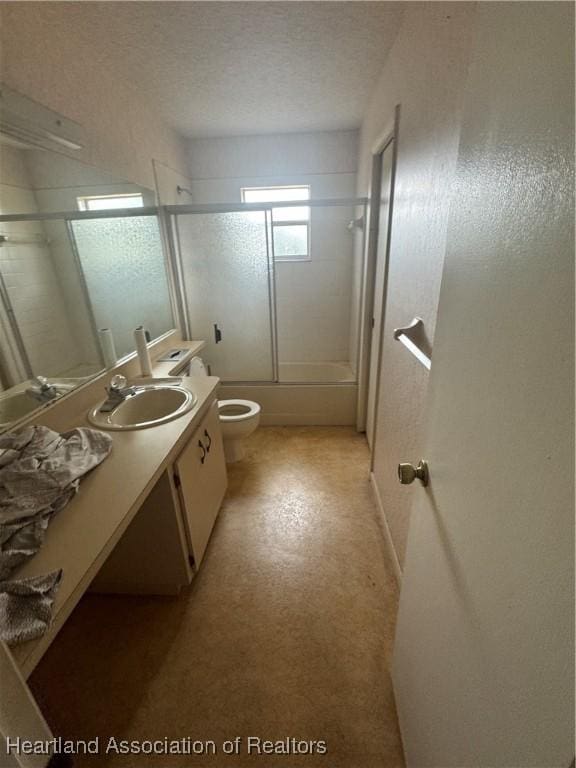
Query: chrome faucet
x=42, y=390
x=117, y=392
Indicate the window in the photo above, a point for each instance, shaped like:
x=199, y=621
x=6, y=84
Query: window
x=104, y=202
x=290, y=225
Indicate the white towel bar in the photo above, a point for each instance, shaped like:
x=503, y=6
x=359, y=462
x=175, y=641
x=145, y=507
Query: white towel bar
x=406, y=336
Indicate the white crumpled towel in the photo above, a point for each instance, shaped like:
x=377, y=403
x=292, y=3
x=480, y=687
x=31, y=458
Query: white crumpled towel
x=40, y=471
x=26, y=607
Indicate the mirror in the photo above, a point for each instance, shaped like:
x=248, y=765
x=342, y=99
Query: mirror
x=62, y=280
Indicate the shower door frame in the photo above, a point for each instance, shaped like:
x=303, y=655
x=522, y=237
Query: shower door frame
x=170, y=212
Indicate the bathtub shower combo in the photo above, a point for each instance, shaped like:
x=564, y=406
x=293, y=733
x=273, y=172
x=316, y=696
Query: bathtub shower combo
x=277, y=301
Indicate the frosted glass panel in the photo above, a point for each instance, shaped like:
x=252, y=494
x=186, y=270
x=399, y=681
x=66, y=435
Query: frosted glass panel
x=124, y=269
x=291, y=241
x=226, y=279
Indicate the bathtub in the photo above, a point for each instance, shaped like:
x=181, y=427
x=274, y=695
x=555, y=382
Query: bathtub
x=307, y=394
x=315, y=373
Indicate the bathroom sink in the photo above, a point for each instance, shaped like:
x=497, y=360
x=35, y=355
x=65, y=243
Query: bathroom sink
x=146, y=405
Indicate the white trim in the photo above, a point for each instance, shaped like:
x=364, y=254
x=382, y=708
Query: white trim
x=84, y=200
x=301, y=222
x=388, y=134
x=346, y=202
x=268, y=187
x=387, y=533
x=363, y=323
x=385, y=136
x=393, y=142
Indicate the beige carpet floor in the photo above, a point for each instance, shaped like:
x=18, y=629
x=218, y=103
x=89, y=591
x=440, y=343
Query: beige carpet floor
x=286, y=631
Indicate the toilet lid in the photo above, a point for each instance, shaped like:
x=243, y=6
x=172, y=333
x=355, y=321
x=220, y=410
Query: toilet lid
x=237, y=410
x=196, y=367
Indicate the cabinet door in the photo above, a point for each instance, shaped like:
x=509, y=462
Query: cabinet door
x=201, y=469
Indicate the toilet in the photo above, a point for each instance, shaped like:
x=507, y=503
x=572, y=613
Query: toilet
x=238, y=418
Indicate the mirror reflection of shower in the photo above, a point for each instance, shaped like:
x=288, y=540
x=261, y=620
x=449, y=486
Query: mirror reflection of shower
x=64, y=277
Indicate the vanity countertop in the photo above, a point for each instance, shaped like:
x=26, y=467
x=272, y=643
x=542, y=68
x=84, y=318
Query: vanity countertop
x=83, y=534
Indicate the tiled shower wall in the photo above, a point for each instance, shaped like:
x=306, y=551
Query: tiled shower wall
x=31, y=279
x=313, y=298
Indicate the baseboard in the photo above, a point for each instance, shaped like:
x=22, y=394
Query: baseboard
x=387, y=532
x=136, y=588
x=306, y=420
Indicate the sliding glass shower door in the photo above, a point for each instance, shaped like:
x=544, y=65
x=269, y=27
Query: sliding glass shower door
x=124, y=268
x=227, y=278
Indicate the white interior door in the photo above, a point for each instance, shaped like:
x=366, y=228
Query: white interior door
x=379, y=286
x=484, y=656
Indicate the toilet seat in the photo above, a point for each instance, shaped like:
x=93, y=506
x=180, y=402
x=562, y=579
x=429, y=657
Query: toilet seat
x=241, y=410
x=238, y=419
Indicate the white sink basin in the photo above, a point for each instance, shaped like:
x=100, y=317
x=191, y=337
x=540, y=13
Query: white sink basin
x=148, y=406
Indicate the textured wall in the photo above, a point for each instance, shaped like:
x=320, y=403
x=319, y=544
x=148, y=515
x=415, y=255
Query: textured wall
x=45, y=59
x=313, y=297
x=274, y=155
x=167, y=182
x=484, y=654
x=425, y=74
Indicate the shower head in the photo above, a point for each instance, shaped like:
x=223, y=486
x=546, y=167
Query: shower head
x=180, y=189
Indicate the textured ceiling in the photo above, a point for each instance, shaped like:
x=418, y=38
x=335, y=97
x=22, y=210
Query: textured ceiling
x=229, y=68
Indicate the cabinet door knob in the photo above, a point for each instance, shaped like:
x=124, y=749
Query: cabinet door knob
x=407, y=473
x=207, y=436
x=203, y=449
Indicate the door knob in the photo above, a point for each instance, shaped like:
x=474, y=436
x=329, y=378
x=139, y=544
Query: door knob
x=407, y=473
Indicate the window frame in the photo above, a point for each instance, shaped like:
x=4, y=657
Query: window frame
x=83, y=201
x=289, y=222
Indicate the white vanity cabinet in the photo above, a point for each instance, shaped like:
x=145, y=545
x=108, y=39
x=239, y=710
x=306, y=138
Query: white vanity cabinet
x=200, y=477
x=165, y=542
